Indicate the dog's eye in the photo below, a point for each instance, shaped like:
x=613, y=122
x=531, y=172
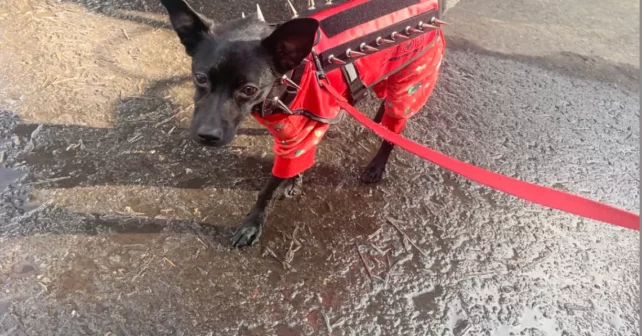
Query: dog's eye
x=200, y=79
x=249, y=91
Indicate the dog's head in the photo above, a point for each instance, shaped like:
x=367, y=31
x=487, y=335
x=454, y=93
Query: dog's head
x=235, y=65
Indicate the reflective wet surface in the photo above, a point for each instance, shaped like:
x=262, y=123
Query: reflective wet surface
x=113, y=222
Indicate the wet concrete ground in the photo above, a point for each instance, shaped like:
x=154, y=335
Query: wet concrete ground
x=113, y=223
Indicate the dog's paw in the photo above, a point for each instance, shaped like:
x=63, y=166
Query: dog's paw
x=373, y=173
x=247, y=234
x=293, y=187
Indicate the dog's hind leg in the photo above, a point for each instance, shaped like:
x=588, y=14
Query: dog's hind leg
x=377, y=167
x=380, y=113
x=249, y=232
x=406, y=93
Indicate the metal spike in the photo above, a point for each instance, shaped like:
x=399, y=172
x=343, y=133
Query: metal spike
x=410, y=30
x=425, y=25
x=285, y=80
x=396, y=35
x=295, y=14
x=282, y=105
x=437, y=21
x=381, y=40
x=328, y=2
x=353, y=54
x=365, y=47
x=259, y=13
x=242, y=15
x=333, y=60
x=311, y=5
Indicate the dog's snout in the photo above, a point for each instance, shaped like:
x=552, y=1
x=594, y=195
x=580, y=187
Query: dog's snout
x=210, y=135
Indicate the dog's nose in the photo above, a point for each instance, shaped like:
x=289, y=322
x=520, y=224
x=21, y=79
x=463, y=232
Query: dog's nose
x=210, y=135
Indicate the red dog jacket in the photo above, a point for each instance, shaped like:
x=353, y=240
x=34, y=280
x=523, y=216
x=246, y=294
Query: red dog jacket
x=388, y=46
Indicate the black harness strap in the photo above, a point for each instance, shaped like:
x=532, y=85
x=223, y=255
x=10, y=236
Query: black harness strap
x=358, y=90
x=360, y=14
x=291, y=93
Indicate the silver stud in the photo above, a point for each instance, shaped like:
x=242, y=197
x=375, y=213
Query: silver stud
x=295, y=14
x=311, y=5
x=328, y=2
x=333, y=60
x=381, y=40
x=277, y=101
x=425, y=25
x=352, y=54
x=285, y=80
x=364, y=47
x=242, y=15
x=259, y=13
x=410, y=30
x=396, y=35
x=436, y=21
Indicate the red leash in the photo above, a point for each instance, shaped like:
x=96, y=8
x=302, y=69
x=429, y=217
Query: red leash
x=531, y=192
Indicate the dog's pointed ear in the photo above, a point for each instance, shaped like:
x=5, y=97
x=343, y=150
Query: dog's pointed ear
x=190, y=26
x=290, y=43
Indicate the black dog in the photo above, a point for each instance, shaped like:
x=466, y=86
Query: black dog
x=235, y=66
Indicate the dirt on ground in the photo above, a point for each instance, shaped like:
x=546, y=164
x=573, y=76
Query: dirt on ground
x=113, y=222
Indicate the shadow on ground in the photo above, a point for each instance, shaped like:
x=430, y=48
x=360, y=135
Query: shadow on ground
x=218, y=10
x=148, y=145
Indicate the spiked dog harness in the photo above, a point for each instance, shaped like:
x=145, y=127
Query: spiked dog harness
x=392, y=47
x=387, y=47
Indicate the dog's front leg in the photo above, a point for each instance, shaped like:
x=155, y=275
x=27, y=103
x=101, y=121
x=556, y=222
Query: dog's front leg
x=292, y=187
x=249, y=232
